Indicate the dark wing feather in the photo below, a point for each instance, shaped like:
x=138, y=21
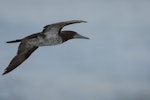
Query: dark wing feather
x=22, y=55
x=60, y=25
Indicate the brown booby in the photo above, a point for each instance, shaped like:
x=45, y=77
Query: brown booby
x=51, y=35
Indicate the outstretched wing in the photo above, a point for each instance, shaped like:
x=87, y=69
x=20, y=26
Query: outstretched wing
x=58, y=26
x=22, y=55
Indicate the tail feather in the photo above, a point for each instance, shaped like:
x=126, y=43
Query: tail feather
x=14, y=41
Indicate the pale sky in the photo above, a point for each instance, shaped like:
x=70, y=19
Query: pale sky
x=112, y=65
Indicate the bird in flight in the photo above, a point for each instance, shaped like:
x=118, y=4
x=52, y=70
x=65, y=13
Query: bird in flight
x=51, y=35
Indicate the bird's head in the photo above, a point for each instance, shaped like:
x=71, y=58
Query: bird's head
x=67, y=35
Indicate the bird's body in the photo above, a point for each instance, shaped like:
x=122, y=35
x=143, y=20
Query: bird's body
x=45, y=40
x=51, y=35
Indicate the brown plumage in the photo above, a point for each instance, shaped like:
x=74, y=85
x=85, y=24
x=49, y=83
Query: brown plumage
x=51, y=35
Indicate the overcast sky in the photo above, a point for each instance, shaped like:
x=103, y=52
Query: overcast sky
x=113, y=65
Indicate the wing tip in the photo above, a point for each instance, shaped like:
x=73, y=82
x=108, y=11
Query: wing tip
x=83, y=21
x=79, y=21
x=5, y=72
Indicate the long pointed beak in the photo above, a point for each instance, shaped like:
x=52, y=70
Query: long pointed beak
x=80, y=36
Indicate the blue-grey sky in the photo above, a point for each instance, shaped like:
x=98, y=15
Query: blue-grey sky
x=113, y=65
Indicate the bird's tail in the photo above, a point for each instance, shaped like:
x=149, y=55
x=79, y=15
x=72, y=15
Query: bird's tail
x=14, y=41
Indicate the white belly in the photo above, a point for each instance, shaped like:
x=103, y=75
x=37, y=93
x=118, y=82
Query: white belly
x=43, y=41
